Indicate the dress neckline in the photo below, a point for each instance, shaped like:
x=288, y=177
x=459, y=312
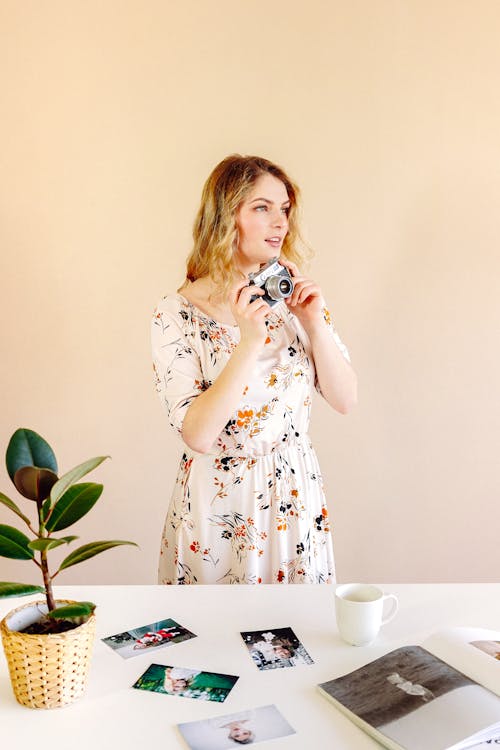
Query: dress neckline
x=206, y=315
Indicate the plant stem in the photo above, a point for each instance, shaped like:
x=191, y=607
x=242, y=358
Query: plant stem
x=47, y=581
x=49, y=596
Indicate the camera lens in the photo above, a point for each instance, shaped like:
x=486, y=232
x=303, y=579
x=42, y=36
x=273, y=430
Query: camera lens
x=279, y=287
x=285, y=287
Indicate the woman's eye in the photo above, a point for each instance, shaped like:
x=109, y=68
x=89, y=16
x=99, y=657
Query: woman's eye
x=257, y=208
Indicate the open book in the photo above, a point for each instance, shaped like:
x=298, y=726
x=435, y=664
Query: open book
x=442, y=695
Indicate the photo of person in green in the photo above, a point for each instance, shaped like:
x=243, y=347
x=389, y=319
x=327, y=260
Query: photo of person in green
x=186, y=683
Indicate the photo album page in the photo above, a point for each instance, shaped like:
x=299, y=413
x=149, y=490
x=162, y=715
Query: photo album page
x=442, y=695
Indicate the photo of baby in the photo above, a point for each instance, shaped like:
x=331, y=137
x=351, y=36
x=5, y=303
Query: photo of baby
x=155, y=635
x=242, y=728
x=186, y=683
x=275, y=649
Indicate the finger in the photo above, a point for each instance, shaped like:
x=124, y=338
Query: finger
x=298, y=292
x=261, y=312
x=306, y=289
x=258, y=304
x=309, y=290
x=235, y=290
x=292, y=267
x=298, y=285
x=247, y=293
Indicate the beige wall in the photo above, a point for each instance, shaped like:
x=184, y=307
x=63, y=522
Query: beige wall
x=387, y=114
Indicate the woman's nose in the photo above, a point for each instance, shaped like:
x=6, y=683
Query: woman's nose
x=279, y=219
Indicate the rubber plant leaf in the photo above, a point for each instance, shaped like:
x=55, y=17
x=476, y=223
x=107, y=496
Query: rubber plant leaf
x=14, y=544
x=34, y=483
x=77, y=609
x=89, y=550
x=73, y=505
x=11, y=504
x=42, y=545
x=28, y=448
x=18, y=589
x=73, y=476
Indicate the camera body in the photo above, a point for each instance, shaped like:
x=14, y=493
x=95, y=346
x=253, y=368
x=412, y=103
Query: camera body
x=275, y=280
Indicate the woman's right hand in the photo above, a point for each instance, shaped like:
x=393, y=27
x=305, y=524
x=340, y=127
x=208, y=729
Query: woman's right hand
x=210, y=411
x=250, y=316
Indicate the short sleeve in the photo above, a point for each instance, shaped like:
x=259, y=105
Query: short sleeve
x=176, y=364
x=334, y=334
x=338, y=342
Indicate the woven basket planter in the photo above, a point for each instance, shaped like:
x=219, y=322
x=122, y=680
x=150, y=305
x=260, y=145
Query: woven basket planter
x=46, y=671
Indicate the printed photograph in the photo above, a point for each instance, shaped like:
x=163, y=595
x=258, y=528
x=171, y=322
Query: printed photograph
x=492, y=648
x=148, y=637
x=186, y=683
x=275, y=649
x=395, y=685
x=242, y=728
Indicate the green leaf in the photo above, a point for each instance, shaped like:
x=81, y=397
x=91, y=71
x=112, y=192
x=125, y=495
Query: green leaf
x=42, y=545
x=11, y=504
x=75, y=503
x=73, y=476
x=46, y=508
x=14, y=544
x=68, y=539
x=89, y=550
x=18, y=589
x=28, y=448
x=78, y=609
x=33, y=482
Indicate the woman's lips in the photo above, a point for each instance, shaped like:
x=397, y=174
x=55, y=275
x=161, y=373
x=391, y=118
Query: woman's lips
x=274, y=243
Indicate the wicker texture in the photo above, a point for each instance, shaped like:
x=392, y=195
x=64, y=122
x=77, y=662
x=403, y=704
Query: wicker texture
x=48, y=671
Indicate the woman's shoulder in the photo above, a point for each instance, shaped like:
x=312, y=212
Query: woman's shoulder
x=173, y=305
x=172, y=309
x=171, y=302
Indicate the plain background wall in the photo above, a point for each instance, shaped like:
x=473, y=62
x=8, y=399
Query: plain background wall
x=387, y=114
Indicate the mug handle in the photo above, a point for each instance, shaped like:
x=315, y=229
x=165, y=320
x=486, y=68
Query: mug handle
x=394, y=609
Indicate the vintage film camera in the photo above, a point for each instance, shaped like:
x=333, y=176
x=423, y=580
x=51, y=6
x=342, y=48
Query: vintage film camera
x=275, y=280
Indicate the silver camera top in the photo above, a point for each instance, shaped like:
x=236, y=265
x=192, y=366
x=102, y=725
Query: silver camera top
x=259, y=277
x=274, y=279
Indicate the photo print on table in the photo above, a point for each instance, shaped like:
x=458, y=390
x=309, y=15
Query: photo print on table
x=276, y=648
x=186, y=683
x=148, y=637
x=492, y=648
x=242, y=728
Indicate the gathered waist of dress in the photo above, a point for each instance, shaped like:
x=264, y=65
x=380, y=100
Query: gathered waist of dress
x=262, y=449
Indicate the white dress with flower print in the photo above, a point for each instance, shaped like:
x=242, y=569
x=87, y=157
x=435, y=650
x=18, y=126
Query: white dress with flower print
x=252, y=509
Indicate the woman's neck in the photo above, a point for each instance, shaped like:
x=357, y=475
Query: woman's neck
x=205, y=294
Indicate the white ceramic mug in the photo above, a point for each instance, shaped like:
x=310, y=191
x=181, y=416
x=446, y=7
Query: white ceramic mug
x=359, y=608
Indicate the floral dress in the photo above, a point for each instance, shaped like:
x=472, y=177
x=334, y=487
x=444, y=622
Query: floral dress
x=252, y=509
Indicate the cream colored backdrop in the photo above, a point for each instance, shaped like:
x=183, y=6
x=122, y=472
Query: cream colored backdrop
x=387, y=113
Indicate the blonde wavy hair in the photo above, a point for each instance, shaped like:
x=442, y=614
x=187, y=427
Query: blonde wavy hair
x=215, y=232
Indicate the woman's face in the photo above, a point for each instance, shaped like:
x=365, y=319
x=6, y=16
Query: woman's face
x=240, y=733
x=282, y=652
x=178, y=685
x=262, y=221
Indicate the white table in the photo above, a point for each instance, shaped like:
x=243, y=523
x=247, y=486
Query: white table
x=112, y=714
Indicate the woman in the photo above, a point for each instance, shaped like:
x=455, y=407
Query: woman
x=178, y=680
x=238, y=728
x=236, y=376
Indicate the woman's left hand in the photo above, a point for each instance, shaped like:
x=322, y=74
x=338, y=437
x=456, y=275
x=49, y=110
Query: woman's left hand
x=306, y=300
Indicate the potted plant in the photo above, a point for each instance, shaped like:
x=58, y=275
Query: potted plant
x=48, y=644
